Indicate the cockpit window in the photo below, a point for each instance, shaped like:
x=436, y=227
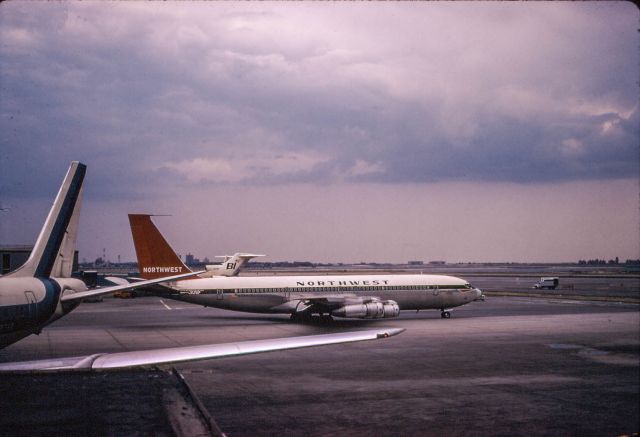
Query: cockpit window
x=467, y=285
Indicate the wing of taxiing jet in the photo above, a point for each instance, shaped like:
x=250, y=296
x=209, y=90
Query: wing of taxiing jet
x=106, y=290
x=324, y=303
x=192, y=353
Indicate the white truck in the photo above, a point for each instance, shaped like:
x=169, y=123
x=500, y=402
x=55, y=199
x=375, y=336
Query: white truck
x=550, y=283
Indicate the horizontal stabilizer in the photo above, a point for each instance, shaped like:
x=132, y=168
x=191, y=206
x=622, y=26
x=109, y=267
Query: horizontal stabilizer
x=240, y=255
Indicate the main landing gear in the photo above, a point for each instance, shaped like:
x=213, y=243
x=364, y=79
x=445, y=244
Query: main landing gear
x=445, y=314
x=299, y=317
x=307, y=317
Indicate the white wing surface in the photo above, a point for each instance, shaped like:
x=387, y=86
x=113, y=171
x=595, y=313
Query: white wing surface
x=192, y=353
x=106, y=290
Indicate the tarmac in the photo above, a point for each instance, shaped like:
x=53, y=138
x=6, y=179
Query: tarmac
x=506, y=366
x=129, y=402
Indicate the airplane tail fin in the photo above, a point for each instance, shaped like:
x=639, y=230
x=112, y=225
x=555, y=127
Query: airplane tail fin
x=56, y=243
x=230, y=266
x=155, y=257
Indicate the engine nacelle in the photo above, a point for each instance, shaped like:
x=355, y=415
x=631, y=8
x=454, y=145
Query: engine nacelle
x=369, y=310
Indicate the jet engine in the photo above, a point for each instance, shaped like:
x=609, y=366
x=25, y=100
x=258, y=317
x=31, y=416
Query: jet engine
x=369, y=310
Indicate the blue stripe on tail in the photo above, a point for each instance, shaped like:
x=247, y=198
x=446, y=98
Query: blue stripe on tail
x=50, y=253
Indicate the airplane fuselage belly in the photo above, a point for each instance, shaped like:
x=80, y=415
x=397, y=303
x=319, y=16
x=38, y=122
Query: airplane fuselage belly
x=26, y=304
x=235, y=301
x=29, y=304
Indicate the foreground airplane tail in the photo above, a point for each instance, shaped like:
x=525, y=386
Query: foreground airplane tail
x=56, y=243
x=155, y=257
x=63, y=266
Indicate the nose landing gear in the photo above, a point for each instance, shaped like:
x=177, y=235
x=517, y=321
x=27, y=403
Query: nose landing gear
x=445, y=314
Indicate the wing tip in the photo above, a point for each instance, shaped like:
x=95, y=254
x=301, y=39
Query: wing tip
x=390, y=332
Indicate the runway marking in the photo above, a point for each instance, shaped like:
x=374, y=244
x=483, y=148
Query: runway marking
x=165, y=305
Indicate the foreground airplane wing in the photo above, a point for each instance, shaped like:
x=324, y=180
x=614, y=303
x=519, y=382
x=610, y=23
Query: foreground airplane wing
x=106, y=290
x=192, y=353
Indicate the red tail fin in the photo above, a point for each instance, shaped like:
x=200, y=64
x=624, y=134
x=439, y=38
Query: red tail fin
x=155, y=257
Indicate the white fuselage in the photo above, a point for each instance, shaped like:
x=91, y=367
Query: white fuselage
x=29, y=304
x=283, y=294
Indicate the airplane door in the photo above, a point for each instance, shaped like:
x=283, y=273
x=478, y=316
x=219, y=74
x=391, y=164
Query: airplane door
x=287, y=293
x=219, y=294
x=32, y=310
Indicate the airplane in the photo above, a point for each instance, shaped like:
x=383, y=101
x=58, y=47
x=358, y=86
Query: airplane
x=230, y=266
x=359, y=296
x=41, y=290
x=31, y=298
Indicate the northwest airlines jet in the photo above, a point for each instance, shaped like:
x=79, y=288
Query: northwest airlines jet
x=358, y=296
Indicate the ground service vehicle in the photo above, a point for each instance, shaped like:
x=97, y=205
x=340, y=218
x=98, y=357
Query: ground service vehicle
x=550, y=283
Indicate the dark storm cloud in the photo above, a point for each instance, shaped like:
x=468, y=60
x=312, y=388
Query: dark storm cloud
x=190, y=94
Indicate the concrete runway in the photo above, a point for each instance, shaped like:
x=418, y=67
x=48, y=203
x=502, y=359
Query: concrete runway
x=507, y=366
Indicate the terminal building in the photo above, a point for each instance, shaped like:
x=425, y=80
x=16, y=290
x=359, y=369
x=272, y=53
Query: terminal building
x=14, y=256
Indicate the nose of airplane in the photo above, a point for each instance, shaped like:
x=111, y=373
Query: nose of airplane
x=479, y=294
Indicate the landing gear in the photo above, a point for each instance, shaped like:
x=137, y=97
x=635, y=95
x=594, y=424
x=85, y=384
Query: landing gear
x=445, y=314
x=307, y=317
x=302, y=312
x=326, y=318
x=298, y=317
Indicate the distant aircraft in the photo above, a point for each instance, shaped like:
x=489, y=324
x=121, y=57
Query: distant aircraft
x=230, y=266
x=31, y=298
x=358, y=296
x=41, y=290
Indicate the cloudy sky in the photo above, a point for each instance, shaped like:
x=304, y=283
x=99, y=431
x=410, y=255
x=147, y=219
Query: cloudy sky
x=330, y=132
